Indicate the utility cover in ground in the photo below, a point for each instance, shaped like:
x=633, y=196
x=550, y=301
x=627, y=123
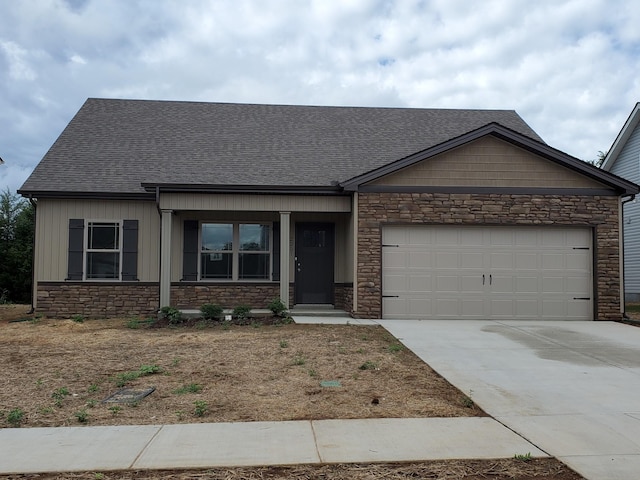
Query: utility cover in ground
x=330, y=383
x=129, y=395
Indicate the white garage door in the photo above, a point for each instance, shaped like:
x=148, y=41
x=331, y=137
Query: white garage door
x=451, y=272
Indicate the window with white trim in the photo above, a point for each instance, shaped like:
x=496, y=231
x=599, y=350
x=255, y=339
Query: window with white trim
x=235, y=251
x=103, y=251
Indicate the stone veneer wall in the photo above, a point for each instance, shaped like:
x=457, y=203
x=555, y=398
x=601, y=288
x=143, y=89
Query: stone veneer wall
x=343, y=296
x=96, y=299
x=378, y=209
x=227, y=295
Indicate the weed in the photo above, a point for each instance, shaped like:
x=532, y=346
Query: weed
x=284, y=321
x=149, y=369
x=133, y=323
x=59, y=395
x=172, y=314
x=361, y=350
x=45, y=410
x=202, y=324
x=211, y=311
x=342, y=350
x=313, y=373
x=93, y=388
x=467, y=402
x=180, y=414
x=201, y=408
x=226, y=325
x=175, y=362
x=91, y=403
x=241, y=312
x=523, y=457
x=82, y=416
x=298, y=360
x=39, y=382
x=278, y=308
x=78, y=318
x=123, y=378
x=191, y=388
x=115, y=410
x=368, y=365
x=284, y=344
x=98, y=476
x=15, y=417
x=395, y=347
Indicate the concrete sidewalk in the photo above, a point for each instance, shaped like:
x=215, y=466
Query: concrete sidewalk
x=203, y=445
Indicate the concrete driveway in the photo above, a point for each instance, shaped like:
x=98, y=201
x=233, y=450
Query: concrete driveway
x=570, y=388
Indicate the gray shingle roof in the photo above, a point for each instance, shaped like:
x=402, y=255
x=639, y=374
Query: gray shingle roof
x=113, y=146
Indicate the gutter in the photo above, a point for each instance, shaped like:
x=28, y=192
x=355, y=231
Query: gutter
x=160, y=246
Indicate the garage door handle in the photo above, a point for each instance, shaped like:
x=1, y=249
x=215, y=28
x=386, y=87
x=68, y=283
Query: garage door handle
x=390, y=296
x=483, y=279
x=582, y=298
x=490, y=279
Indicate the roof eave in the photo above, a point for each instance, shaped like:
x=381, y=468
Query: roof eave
x=622, y=138
x=254, y=189
x=28, y=193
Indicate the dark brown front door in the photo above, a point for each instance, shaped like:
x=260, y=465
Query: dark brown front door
x=314, y=263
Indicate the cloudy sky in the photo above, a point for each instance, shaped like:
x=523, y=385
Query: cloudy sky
x=570, y=68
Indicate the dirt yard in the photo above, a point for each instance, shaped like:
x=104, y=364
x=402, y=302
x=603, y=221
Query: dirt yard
x=59, y=372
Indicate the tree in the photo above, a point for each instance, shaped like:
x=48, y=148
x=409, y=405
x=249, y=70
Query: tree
x=16, y=247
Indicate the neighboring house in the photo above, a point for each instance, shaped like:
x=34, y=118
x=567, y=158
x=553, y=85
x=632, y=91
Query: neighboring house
x=623, y=159
x=381, y=212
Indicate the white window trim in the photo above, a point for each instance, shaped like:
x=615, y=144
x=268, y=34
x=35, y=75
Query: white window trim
x=87, y=250
x=235, y=252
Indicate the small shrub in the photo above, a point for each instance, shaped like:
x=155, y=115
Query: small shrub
x=277, y=307
x=149, y=369
x=523, y=457
x=191, y=388
x=15, y=417
x=59, y=395
x=211, y=311
x=172, y=314
x=241, y=312
x=82, y=416
x=201, y=408
x=78, y=318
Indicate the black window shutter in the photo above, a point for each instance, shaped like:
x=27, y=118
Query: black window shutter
x=275, y=275
x=130, y=250
x=190, y=251
x=76, y=247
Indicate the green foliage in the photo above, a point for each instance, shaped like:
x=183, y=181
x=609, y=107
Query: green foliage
x=241, y=312
x=93, y=388
x=277, y=307
x=211, y=311
x=191, y=388
x=523, y=457
x=284, y=344
x=172, y=314
x=125, y=377
x=298, y=360
x=467, y=402
x=59, y=395
x=395, y=347
x=15, y=417
x=201, y=408
x=82, y=416
x=368, y=365
x=91, y=403
x=78, y=318
x=115, y=409
x=16, y=247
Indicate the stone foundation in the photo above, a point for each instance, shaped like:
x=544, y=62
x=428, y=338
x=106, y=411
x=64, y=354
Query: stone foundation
x=598, y=212
x=228, y=295
x=343, y=296
x=96, y=299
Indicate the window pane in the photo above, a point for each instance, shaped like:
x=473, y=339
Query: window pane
x=104, y=265
x=216, y=265
x=254, y=266
x=254, y=237
x=103, y=236
x=217, y=236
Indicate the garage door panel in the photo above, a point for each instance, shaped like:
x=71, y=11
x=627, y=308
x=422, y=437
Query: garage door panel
x=530, y=272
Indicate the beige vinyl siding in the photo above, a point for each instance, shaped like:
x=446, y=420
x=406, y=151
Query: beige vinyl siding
x=52, y=233
x=488, y=162
x=257, y=203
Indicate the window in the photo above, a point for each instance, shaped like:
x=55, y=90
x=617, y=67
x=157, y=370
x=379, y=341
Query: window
x=103, y=251
x=235, y=251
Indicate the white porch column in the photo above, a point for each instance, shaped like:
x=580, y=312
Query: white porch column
x=165, y=257
x=285, y=231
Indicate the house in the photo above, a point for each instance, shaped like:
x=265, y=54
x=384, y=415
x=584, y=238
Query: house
x=381, y=212
x=623, y=159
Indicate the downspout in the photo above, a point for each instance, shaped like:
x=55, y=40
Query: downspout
x=622, y=299
x=160, y=240
x=33, y=256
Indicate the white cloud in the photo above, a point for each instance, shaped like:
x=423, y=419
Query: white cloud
x=569, y=67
